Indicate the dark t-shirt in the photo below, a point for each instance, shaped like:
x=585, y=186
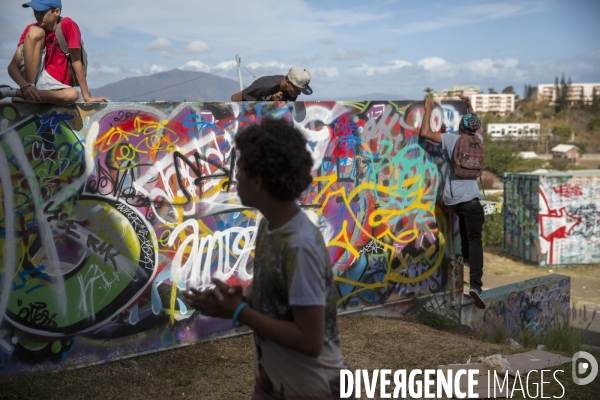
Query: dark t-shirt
x=264, y=87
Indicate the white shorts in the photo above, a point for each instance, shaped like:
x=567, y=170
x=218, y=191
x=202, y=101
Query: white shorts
x=43, y=80
x=46, y=82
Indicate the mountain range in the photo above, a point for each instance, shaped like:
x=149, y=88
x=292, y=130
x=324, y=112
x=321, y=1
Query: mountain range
x=173, y=85
x=179, y=85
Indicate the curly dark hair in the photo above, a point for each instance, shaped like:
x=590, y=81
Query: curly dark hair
x=276, y=152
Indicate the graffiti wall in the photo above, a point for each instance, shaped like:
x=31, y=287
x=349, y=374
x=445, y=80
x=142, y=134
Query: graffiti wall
x=109, y=211
x=534, y=304
x=521, y=210
x=553, y=218
x=570, y=219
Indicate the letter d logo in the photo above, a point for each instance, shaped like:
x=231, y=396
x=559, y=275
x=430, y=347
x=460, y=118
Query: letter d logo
x=584, y=367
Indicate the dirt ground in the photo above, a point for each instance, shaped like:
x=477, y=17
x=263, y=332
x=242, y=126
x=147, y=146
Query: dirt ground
x=222, y=369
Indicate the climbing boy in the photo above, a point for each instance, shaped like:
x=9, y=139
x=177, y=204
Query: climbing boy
x=462, y=195
x=291, y=303
x=40, y=68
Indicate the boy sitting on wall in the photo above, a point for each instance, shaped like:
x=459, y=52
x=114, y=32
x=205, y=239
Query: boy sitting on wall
x=40, y=68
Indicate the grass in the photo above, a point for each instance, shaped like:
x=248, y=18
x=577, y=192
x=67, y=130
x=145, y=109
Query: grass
x=497, y=332
x=222, y=369
x=437, y=319
x=569, y=337
x=526, y=337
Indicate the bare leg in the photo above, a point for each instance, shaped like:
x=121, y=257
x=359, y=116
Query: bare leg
x=60, y=96
x=32, y=52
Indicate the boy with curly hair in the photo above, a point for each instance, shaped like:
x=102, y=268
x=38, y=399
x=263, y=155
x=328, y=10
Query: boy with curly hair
x=291, y=303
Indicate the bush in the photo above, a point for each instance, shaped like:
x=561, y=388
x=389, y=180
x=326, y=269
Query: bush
x=563, y=130
x=493, y=228
x=568, y=337
x=547, y=112
x=559, y=164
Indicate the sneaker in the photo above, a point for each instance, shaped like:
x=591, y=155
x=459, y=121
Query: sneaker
x=463, y=261
x=475, y=294
x=3, y=91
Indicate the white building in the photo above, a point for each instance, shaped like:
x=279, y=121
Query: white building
x=498, y=103
x=578, y=92
x=528, y=155
x=454, y=92
x=526, y=131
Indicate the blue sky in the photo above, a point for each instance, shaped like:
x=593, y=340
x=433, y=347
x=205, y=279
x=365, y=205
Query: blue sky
x=350, y=47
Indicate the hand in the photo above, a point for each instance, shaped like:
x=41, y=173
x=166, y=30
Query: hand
x=31, y=93
x=464, y=98
x=221, y=301
x=277, y=96
x=91, y=99
x=429, y=103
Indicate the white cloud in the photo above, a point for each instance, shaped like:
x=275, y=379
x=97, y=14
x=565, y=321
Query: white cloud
x=195, y=65
x=365, y=69
x=105, y=69
x=432, y=63
x=330, y=72
x=489, y=67
x=226, y=66
x=343, y=54
x=149, y=68
x=197, y=46
x=160, y=43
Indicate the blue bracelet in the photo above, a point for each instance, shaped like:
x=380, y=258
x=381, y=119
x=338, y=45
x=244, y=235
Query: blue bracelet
x=237, y=312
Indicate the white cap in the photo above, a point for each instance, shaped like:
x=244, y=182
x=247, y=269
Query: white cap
x=300, y=78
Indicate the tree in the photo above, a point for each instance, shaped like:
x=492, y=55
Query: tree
x=491, y=90
x=529, y=92
x=595, y=107
x=499, y=158
x=563, y=130
x=429, y=91
x=562, y=93
x=508, y=90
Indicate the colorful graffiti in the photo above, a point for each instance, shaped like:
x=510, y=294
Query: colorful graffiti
x=535, y=304
x=109, y=211
x=554, y=218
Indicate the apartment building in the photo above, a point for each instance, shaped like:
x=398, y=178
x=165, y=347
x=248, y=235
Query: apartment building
x=525, y=131
x=578, y=92
x=455, y=91
x=498, y=103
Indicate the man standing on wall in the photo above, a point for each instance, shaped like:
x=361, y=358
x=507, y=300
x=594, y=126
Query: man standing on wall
x=40, y=68
x=277, y=87
x=462, y=195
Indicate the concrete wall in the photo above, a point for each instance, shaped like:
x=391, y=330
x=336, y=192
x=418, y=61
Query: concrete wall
x=109, y=211
x=553, y=218
x=534, y=304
